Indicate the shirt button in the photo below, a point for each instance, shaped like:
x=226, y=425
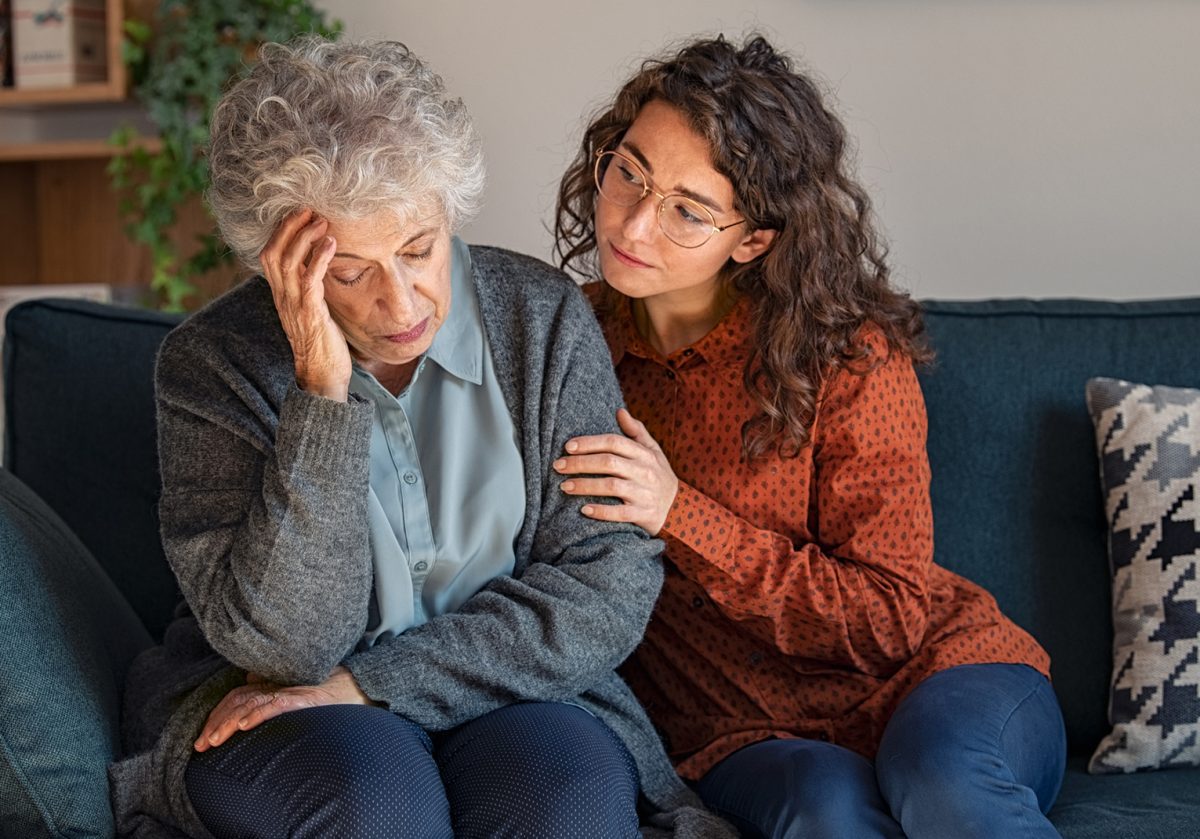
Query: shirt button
x=670, y=374
x=697, y=602
x=756, y=658
x=410, y=477
x=688, y=351
x=823, y=736
x=421, y=566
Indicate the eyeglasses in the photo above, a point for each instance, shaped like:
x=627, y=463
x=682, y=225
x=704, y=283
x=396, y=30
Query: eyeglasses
x=685, y=222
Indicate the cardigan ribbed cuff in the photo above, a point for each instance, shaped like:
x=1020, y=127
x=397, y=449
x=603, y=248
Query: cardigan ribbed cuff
x=321, y=436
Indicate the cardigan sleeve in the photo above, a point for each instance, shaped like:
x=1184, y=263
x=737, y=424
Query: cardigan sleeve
x=263, y=512
x=856, y=594
x=583, y=600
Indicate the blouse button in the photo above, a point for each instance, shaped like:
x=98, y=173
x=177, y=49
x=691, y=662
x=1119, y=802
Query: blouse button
x=756, y=658
x=697, y=602
x=670, y=374
x=688, y=351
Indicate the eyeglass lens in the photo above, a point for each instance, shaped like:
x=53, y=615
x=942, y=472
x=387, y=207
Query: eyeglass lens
x=622, y=182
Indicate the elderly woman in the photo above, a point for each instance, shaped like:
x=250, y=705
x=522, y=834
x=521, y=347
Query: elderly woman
x=395, y=623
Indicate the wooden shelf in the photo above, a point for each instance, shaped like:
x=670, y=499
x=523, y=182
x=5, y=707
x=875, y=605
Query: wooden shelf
x=58, y=210
x=110, y=91
x=68, y=149
x=53, y=103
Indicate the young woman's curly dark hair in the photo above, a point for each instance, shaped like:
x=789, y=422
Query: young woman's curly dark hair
x=825, y=274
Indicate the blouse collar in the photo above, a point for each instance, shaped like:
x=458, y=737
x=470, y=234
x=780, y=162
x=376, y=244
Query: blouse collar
x=726, y=346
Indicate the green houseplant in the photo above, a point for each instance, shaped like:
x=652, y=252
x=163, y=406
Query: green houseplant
x=180, y=65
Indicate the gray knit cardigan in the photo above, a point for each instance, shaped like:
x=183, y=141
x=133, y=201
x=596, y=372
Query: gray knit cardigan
x=264, y=522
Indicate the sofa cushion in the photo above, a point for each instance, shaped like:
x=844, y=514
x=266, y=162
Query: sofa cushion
x=80, y=432
x=1150, y=805
x=1148, y=440
x=69, y=637
x=1016, y=492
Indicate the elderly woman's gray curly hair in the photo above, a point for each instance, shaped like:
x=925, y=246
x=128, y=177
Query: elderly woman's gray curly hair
x=346, y=128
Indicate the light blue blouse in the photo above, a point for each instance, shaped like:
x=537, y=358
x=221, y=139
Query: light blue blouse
x=447, y=490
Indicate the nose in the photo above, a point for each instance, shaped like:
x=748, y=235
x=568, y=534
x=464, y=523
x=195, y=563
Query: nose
x=397, y=297
x=641, y=220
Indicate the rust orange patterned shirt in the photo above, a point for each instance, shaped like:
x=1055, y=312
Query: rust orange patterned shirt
x=801, y=598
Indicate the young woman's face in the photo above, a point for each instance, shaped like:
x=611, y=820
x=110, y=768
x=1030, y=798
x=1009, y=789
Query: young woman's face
x=636, y=257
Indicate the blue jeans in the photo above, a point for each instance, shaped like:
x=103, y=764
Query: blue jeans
x=974, y=751
x=532, y=770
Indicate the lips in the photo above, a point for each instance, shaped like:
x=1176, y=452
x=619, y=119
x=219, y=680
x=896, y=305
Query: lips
x=411, y=335
x=626, y=258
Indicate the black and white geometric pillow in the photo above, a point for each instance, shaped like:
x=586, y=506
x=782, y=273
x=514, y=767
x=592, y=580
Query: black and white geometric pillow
x=1148, y=439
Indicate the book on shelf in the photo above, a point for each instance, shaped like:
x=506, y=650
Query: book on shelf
x=5, y=43
x=58, y=43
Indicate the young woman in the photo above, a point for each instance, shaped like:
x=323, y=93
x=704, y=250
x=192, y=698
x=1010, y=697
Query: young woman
x=812, y=671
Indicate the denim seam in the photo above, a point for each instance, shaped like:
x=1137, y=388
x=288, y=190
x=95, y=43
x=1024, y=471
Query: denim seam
x=999, y=746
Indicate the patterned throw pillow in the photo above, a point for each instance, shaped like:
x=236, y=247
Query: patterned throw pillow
x=1148, y=439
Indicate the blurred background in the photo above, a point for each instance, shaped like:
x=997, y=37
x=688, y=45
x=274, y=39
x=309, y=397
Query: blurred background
x=1042, y=148
x=1012, y=147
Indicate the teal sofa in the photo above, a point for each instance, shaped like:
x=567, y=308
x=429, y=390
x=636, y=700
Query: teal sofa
x=84, y=586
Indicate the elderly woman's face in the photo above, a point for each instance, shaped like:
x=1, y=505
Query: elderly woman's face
x=388, y=284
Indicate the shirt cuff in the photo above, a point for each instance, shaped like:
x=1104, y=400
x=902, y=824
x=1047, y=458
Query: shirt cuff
x=696, y=521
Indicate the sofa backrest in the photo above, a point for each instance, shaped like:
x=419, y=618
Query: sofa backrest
x=1016, y=488
x=1016, y=491
x=80, y=432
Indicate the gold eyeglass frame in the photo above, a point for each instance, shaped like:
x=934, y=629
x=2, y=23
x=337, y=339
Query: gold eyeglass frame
x=714, y=228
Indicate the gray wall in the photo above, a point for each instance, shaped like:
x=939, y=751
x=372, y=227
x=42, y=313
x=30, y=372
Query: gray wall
x=1013, y=147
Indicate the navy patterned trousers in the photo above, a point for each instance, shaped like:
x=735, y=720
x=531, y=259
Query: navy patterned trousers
x=531, y=770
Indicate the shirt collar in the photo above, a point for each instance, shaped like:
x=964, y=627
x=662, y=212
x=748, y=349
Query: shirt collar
x=726, y=347
x=458, y=345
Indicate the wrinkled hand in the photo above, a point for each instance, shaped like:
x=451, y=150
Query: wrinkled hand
x=294, y=262
x=259, y=700
x=632, y=469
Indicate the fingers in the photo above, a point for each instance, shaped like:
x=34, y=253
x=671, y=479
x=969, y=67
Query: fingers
x=284, y=233
x=224, y=708
x=294, y=253
x=218, y=720
x=271, y=256
x=635, y=431
x=224, y=719
x=643, y=513
x=302, y=253
x=613, y=443
x=599, y=464
x=627, y=491
x=612, y=512
x=263, y=711
x=318, y=264
x=295, y=262
x=634, y=428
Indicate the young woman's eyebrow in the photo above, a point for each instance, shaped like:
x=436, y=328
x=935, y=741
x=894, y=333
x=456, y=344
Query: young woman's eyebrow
x=698, y=197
